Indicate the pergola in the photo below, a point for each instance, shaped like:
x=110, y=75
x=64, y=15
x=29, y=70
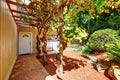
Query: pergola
x=39, y=13
x=47, y=9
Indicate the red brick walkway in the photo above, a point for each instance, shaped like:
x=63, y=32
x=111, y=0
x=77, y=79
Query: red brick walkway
x=27, y=67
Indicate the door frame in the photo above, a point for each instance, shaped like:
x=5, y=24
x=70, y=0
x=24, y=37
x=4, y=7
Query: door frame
x=31, y=42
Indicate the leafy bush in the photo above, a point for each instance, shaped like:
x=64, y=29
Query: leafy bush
x=113, y=51
x=85, y=50
x=99, y=38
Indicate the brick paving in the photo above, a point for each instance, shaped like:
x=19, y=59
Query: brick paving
x=28, y=67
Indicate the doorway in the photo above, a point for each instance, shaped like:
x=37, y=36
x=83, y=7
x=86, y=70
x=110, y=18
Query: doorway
x=25, y=43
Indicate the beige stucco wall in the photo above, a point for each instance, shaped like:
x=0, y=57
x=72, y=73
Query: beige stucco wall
x=8, y=41
x=34, y=33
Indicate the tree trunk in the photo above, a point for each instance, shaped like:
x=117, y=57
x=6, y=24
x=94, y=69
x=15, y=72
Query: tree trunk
x=62, y=46
x=44, y=59
x=38, y=43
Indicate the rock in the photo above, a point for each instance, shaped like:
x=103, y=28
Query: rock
x=93, y=59
x=89, y=61
x=117, y=73
x=114, y=72
x=100, y=67
x=97, y=63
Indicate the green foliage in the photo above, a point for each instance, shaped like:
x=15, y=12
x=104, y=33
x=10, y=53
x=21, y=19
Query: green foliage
x=114, y=19
x=72, y=32
x=99, y=38
x=37, y=6
x=25, y=17
x=113, y=51
x=101, y=21
x=102, y=14
x=85, y=50
x=83, y=20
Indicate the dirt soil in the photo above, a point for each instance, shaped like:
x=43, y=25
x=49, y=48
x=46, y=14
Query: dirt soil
x=76, y=68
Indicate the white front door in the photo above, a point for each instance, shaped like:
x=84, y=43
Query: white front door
x=25, y=42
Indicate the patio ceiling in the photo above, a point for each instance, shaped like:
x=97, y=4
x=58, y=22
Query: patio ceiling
x=26, y=15
x=18, y=9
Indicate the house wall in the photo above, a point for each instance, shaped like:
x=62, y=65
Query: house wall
x=8, y=41
x=34, y=33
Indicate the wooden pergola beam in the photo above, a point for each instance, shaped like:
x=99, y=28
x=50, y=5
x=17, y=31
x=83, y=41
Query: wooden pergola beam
x=22, y=20
x=25, y=26
x=20, y=12
x=21, y=23
x=26, y=21
x=19, y=19
x=15, y=16
x=28, y=24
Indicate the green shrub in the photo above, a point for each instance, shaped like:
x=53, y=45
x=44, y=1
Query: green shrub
x=113, y=51
x=99, y=38
x=85, y=50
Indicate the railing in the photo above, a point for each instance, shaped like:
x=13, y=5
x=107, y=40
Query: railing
x=52, y=45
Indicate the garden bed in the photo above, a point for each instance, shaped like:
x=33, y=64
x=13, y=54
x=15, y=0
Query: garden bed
x=76, y=67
